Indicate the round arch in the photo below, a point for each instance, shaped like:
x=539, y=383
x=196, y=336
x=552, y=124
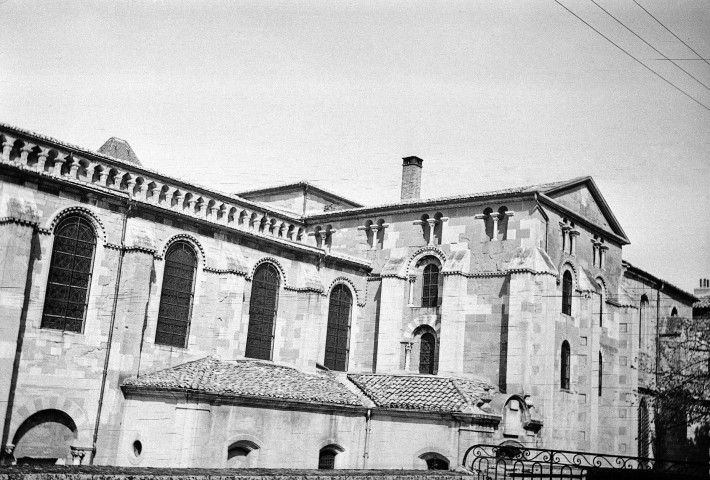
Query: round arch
x=189, y=239
x=84, y=212
x=275, y=263
x=45, y=437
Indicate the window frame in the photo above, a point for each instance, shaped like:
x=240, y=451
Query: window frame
x=80, y=220
x=252, y=336
x=428, y=286
x=567, y=289
x=601, y=373
x=565, y=367
x=331, y=325
x=432, y=352
x=187, y=246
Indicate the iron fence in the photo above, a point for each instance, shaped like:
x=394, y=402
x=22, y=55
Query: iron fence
x=499, y=462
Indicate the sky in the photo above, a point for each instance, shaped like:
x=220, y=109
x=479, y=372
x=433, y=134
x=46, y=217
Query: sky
x=491, y=94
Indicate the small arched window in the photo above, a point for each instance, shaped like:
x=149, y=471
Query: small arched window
x=427, y=350
x=674, y=312
x=503, y=223
x=601, y=373
x=565, y=366
x=338, y=331
x=567, y=293
x=430, y=286
x=326, y=457
x=70, y=272
x=176, y=295
x=242, y=454
x=262, y=311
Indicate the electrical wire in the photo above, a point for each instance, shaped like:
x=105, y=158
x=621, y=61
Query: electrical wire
x=635, y=59
x=654, y=48
x=669, y=31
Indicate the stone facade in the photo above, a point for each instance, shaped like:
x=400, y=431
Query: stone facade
x=493, y=315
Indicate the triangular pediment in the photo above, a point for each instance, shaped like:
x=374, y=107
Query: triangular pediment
x=583, y=197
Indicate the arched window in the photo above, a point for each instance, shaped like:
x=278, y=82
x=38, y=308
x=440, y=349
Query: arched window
x=488, y=223
x=565, y=366
x=674, y=312
x=435, y=461
x=241, y=454
x=503, y=223
x=326, y=457
x=69, y=275
x=176, y=295
x=262, y=311
x=567, y=293
x=643, y=320
x=430, y=286
x=336, y=342
x=427, y=348
x=601, y=368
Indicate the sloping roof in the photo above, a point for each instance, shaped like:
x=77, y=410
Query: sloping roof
x=424, y=392
x=248, y=378
x=302, y=185
x=118, y=148
x=587, y=181
x=643, y=273
x=418, y=202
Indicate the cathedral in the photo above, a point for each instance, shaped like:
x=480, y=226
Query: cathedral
x=149, y=321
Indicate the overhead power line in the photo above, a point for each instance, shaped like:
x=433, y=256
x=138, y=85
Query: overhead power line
x=636, y=59
x=669, y=31
x=654, y=48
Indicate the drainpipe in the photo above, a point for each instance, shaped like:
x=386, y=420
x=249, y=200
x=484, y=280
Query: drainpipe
x=366, y=454
x=121, y=254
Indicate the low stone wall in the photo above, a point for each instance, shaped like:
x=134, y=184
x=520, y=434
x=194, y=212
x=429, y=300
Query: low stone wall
x=56, y=472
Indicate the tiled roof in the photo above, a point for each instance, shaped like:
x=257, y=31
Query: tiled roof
x=704, y=302
x=417, y=202
x=248, y=378
x=118, y=148
x=424, y=392
x=300, y=185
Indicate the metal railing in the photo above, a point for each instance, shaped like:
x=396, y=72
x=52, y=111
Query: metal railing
x=498, y=462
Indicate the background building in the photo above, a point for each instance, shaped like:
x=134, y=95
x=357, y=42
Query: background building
x=150, y=321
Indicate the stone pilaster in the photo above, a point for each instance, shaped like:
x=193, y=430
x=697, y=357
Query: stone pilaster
x=453, y=325
x=390, y=324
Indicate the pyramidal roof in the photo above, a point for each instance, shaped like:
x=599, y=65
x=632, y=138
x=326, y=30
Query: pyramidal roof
x=118, y=148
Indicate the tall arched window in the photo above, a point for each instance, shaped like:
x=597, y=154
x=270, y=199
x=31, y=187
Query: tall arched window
x=430, y=286
x=176, y=295
x=643, y=320
x=601, y=368
x=564, y=366
x=262, y=311
x=427, y=349
x=567, y=293
x=336, y=341
x=69, y=275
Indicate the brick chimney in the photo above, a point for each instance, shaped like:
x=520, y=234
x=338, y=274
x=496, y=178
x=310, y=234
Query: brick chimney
x=411, y=177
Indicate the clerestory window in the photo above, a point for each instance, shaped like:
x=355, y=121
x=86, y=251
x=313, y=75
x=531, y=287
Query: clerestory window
x=70, y=272
x=176, y=295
